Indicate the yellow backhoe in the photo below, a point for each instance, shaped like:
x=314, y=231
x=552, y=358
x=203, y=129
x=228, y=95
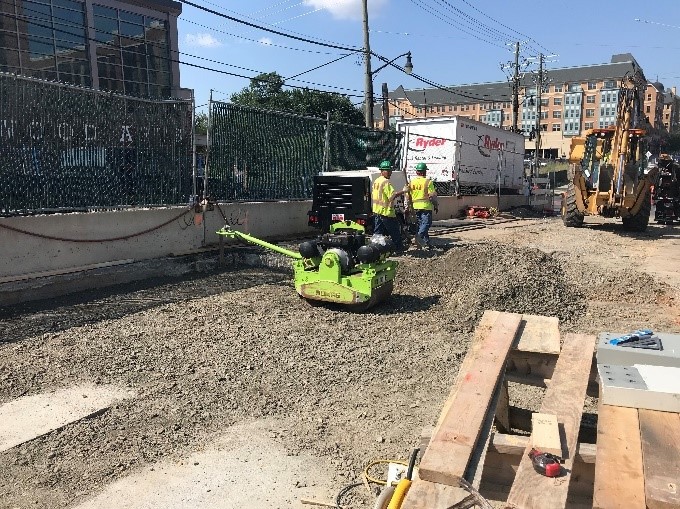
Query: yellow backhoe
x=608, y=166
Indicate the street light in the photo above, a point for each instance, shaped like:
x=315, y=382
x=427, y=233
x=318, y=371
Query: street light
x=368, y=99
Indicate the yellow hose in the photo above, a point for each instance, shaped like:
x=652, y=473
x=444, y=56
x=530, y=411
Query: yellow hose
x=399, y=494
x=380, y=462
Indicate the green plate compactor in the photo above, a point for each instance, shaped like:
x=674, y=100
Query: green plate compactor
x=344, y=266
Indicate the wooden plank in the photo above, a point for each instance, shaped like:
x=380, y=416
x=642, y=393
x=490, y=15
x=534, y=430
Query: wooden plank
x=427, y=495
x=545, y=435
x=532, y=363
x=483, y=327
x=619, y=481
x=457, y=433
x=660, y=437
x=540, y=334
x=502, y=415
x=564, y=398
x=514, y=445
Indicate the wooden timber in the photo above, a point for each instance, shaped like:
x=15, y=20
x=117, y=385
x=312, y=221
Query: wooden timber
x=635, y=461
x=564, y=398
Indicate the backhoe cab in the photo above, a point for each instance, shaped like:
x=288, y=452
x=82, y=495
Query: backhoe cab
x=607, y=166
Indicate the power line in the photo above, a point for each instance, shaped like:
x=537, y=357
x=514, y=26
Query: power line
x=319, y=67
x=271, y=30
x=439, y=15
x=472, y=20
x=506, y=27
x=255, y=40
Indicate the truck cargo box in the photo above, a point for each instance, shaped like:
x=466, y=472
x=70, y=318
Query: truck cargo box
x=471, y=156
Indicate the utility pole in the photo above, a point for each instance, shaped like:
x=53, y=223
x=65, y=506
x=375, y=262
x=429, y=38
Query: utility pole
x=368, y=78
x=385, y=108
x=539, y=90
x=515, y=90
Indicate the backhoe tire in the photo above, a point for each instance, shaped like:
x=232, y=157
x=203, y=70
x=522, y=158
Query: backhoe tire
x=571, y=215
x=639, y=222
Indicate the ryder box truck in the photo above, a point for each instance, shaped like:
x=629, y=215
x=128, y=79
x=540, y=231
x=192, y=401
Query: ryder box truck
x=470, y=156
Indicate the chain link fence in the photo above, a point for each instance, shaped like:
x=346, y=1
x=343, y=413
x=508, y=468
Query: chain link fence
x=66, y=148
x=259, y=155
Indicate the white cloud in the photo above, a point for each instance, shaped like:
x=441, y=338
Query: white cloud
x=346, y=9
x=266, y=41
x=202, y=40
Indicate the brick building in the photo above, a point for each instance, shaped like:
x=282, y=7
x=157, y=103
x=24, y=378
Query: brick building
x=573, y=100
x=125, y=46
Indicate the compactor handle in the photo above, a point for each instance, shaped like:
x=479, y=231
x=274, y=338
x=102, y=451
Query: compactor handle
x=227, y=231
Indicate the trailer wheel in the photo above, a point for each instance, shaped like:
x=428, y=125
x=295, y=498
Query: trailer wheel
x=571, y=215
x=639, y=222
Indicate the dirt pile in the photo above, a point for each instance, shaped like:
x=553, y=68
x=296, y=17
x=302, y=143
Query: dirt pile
x=206, y=352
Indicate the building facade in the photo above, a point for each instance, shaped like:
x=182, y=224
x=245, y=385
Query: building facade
x=128, y=47
x=572, y=100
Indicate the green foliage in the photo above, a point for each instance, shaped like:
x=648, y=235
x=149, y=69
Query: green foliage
x=201, y=123
x=672, y=145
x=266, y=91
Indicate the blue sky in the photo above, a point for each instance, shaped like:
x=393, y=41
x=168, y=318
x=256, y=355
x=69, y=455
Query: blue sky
x=452, y=42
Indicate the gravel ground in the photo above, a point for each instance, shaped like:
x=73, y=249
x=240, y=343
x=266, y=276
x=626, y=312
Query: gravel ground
x=209, y=351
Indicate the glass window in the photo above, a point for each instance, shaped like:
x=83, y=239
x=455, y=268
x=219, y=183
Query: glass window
x=105, y=29
x=556, y=127
x=68, y=17
x=590, y=99
x=70, y=34
x=558, y=88
x=38, y=47
x=592, y=85
x=34, y=10
x=130, y=17
x=131, y=30
x=557, y=114
x=590, y=113
x=9, y=61
x=557, y=101
x=8, y=40
x=112, y=85
x=68, y=4
x=105, y=12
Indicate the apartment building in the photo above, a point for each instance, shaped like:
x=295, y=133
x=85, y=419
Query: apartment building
x=124, y=46
x=572, y=100
x=671, y=110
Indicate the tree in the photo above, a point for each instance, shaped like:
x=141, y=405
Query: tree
x=266, y=91
x=201, y=123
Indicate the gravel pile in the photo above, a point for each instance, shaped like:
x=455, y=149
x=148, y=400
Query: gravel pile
x=206, y=352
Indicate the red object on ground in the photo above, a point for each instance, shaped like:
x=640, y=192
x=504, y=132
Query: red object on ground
x=476, y=211
x=545, y=463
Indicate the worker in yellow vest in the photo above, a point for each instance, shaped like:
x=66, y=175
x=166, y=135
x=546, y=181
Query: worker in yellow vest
x=382, y=200
x=423, y=200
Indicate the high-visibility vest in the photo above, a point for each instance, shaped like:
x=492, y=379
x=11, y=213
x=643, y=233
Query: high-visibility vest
x=381, y=196
x=422, y=189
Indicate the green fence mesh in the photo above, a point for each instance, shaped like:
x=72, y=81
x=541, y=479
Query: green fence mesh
x=65, y=148
x=265, y=155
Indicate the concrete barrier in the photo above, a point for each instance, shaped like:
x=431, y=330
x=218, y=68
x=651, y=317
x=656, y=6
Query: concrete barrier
x=49, y=255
